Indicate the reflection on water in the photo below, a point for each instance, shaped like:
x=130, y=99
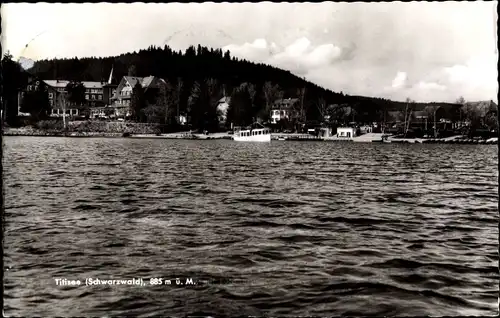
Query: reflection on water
x=284, y=228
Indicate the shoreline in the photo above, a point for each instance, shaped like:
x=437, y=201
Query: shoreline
x=376, y=138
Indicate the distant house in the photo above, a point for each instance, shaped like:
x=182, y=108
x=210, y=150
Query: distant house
x=182, y=119
x=346, y=132
x=33, y=84
x=55, y=90
x=121, y=100
x=282, y=109
x=366, y=129
x=222, y=107
x=93, y=91
x=429, y=116
x=108, y=91
x=482, y=108
x=440, y=116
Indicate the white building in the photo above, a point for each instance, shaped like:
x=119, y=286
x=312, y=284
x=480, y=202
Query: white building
x=346, y=132
x=222, y=107
x=366, y=129
x=282, y=109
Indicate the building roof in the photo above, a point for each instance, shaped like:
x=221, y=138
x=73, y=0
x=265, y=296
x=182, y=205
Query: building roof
x=225, y=99
x=421, y=114
x=144, y=81
x=285, y=103
x=432, y=108
x=63, y=83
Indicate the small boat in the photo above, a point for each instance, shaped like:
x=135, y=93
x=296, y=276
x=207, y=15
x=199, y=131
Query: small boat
x=261, y=134
x=281, y=138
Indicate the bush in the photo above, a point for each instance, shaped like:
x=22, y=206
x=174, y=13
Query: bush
x=50, y=125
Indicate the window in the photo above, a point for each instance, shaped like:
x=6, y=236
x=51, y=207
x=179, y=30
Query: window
x=86, y=96
x=99, y=97
x=93, y=96
x=51, y=95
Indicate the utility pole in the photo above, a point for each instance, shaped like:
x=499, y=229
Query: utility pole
x=406, y=110
x=64, y=111
x=62, y=102
x=385, y=123
x=408, y=125
x=179, y=91
x=435, y=124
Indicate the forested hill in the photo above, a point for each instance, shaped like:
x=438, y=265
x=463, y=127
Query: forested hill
x=196, y=64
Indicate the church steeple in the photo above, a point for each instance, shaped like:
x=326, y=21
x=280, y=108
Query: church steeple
x=110, y=76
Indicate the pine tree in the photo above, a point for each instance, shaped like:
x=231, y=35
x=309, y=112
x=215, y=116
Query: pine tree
x=137, y=102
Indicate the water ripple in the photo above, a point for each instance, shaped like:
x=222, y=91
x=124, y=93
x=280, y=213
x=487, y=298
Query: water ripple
x=281, y=229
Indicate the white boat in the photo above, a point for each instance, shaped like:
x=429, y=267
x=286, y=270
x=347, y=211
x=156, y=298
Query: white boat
x=254, y=135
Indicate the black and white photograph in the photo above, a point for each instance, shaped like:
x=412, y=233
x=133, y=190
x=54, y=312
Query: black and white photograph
x=258, y=159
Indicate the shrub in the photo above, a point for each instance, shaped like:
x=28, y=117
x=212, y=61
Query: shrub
x=50, y=125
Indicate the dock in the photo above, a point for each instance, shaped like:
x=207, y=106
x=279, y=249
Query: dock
x=295, y=137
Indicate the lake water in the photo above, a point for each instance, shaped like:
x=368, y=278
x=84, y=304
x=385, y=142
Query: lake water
x=286, y=228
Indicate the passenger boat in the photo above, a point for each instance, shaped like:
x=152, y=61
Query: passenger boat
x=261, y=134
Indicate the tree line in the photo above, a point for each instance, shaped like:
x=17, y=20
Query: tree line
x=195, y=80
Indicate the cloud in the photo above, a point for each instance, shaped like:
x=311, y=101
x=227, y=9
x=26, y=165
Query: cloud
x=430, y=86
x=476, y=71
x=446, y=49
x=400, y=80
x=257, y=51
x=298, y=48
x=300, y=56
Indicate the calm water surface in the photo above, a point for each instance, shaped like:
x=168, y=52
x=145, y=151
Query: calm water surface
x=286, y=228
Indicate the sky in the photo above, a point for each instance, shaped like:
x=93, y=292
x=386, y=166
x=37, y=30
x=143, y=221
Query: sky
x=426, y=51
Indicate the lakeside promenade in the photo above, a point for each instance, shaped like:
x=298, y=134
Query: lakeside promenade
x=369, y=137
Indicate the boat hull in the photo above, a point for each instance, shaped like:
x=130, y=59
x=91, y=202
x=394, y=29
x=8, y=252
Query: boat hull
x=256, y=138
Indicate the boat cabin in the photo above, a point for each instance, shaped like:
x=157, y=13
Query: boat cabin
x=254, y=132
